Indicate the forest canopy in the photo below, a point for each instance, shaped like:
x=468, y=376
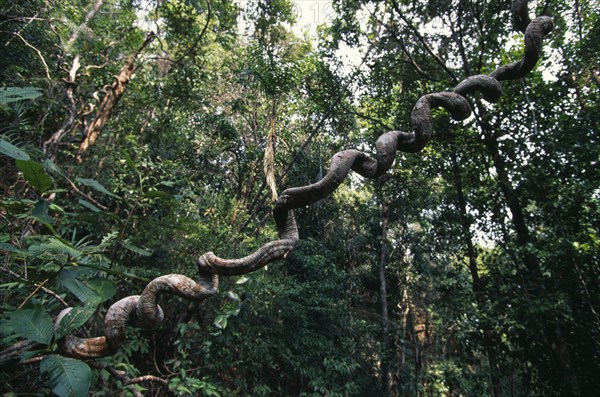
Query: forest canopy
x=389, y=198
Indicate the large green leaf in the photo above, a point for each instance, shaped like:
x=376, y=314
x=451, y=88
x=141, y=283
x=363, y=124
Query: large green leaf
x=109, y=239
x=94, y=184
x=67, y=377
x=40, y=212
x=136, y=249
x=11, y=150
x=12, y=248
x=129, y=161
x=54, y=246
x=70, y=279
x=89, y=205
x=103, y=287
x=75, y=318
x=53, y=168
x=35, y=174
x=34, y=324
x=14, y=94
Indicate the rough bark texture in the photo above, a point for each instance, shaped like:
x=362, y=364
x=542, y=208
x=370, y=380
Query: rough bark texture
x=211, y=267
x=51, y=145
x=111, y=99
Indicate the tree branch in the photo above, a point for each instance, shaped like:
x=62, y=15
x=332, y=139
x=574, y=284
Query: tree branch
x=35, y=49
x=95, y=8
x=423, y=41
x=111, y=99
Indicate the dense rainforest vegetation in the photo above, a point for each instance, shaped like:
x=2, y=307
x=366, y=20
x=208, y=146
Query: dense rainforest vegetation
x=136, y=135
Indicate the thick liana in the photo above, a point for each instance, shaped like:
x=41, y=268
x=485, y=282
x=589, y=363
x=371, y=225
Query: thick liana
x=210, y=266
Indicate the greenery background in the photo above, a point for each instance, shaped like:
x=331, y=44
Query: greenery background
x=470, y=269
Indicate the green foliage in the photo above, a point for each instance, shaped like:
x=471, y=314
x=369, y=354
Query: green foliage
x=69, y=278
x=34, y=324
x=184, y=385
x=67, y=377
x=94, y=184
x=34, y=173
x=179, y=170
x=15, y=94
x=11, y=150
x=74, y=319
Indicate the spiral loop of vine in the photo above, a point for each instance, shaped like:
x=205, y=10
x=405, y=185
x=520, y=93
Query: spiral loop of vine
x=210, y=266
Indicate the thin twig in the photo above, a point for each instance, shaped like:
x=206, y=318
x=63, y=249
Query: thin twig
x=147, y=378
x=96, y=203
x=530, y=105
x=200, y=37
x=35, y=49
x=39, y=286
x=13, y=353
x=95, y=7
x=46, y=290
x=423, y=41
x=32, y=360
x=34, y=18
x=366, y=117
x=126, y=380
x=393, y=33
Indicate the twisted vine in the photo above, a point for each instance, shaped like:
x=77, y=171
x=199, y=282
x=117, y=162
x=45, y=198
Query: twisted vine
x=210, y=266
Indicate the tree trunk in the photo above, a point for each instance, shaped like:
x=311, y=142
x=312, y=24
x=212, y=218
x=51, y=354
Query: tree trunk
x=111, y=99
x=533, y=284
x=383, y=259
x=490, y=340
x=50, y=146
x=402, y=335
x=91, y=13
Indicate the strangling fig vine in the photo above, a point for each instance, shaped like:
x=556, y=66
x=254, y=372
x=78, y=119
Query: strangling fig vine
x=210, y=267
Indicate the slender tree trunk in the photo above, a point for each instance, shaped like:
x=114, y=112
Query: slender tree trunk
x=416, y=351
x=269, y=156
x=111, y=99
x=402, y=334
x=533, y=283
x=405, y=310
x=490, y=340
x=91, y=13
x=50, y=146
x=383, y=259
